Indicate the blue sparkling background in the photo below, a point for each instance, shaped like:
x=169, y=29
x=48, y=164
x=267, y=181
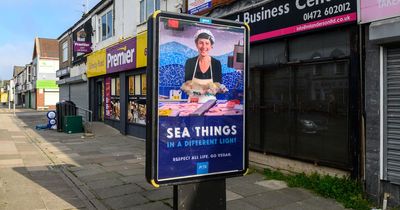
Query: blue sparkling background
x=173, y=56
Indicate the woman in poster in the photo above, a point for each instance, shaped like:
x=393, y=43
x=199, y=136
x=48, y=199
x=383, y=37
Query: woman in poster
x=203, y=73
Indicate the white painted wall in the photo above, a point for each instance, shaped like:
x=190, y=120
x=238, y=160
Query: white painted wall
x=126, y=21
x=77, y=70
x=47, y=68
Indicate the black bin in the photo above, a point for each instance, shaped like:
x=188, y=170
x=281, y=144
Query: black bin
x=64, y=108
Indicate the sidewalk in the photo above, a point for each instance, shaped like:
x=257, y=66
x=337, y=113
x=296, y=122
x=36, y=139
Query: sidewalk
x=107, y=172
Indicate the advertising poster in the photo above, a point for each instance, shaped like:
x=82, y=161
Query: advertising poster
x=201, y=99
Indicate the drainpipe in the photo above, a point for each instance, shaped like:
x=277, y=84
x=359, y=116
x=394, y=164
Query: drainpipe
x=385, y=200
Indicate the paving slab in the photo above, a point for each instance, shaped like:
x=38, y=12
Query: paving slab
x=246, y=189
x=118, y=191
x=134, y=179
x=270, y=199
x=88, y=172
x=159, y=194
x=150, y=206
x=272, y=184
x=130, y=200
x=101, y=176
x=105, y=183
x=240, y=205
x=230, y=196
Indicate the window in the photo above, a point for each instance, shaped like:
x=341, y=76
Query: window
x=29, y=70
x=107, y=25
x=147, y=7
x=137, y=99
x=340, y=68
x=64, y=51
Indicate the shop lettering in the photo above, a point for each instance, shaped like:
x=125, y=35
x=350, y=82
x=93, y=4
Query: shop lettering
x=203, y=131
x=302, y=4
x=121, y=58
x=265, y=14
x=388, y=3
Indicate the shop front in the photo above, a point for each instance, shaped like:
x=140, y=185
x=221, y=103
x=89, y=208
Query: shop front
x=305, y=81
x=381, y=23
x=117, y=83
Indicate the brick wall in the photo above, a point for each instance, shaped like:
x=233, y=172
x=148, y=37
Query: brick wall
x=39, y=99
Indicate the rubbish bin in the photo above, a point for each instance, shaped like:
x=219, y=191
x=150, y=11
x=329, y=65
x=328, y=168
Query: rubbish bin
x=64, y=108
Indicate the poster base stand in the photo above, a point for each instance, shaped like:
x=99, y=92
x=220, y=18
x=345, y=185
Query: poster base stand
x=200, y=196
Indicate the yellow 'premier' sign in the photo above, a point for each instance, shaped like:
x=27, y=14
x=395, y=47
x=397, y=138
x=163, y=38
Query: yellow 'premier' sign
x=96, y=63
x=141, y=50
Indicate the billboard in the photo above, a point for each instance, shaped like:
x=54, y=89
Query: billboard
x=196, y=116
x=372, y=10
x=286, y=17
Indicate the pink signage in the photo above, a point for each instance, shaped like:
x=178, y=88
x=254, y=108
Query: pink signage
x=107, y=98
x=372, y=10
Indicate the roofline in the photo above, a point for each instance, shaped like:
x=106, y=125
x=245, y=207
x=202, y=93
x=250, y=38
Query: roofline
x=97, y=6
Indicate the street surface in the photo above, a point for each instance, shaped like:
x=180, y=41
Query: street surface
x=45, y=169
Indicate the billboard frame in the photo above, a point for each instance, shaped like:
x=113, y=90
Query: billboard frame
x=152, y=100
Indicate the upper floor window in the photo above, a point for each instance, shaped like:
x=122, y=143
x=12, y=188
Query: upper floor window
x=147, y=7
x=107, y=25
x=29, y=71
x=64, y=51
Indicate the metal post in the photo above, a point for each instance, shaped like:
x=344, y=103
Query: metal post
x=14, y=98
x=9, y=96
x=206, y=195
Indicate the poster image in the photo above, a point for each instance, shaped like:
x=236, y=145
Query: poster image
x=201, y=99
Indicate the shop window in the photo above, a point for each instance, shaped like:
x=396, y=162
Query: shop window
x=317, y=46
x=303, y=112
x=113, y=110
x=137, y=99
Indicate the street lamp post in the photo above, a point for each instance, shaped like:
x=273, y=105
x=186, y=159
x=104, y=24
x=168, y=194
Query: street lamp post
x=9, y=96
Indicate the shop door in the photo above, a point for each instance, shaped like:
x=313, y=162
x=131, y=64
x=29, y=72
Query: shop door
x=100, y=100
x=303, y=111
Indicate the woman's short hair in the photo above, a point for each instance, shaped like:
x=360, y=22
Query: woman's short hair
x=204, y=34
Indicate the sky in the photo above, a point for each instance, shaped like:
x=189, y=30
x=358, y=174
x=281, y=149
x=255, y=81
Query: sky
x=23, y=20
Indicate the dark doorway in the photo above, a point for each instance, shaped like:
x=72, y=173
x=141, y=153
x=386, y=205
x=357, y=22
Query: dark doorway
x=99, y=98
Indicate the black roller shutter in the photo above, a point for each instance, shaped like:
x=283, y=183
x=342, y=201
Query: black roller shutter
x=392, y=114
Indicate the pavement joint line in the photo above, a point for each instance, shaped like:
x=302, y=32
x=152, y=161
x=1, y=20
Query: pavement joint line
x=84, y=194
x=83, y=190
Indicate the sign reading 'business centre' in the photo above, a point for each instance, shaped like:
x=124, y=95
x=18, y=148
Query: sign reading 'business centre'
x=279, y=18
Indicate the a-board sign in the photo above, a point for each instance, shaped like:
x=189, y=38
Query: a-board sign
x=197, y=68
